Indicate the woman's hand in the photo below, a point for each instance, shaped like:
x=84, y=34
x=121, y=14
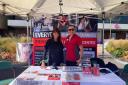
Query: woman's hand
x=62, y=64
x=43, y=65
x=78, y=61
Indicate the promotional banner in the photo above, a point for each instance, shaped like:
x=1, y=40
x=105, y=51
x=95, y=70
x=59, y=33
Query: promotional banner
x=86, y=28
x=24, y=52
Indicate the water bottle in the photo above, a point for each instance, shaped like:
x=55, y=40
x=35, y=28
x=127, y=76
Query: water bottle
x=95, y=69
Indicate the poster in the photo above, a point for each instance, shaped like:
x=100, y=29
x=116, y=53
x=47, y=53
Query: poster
x=24, y=52
x=86, y=28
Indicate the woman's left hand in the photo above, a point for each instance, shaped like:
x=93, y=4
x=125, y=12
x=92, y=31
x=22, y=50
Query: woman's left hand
x=78, y=61
x=43, y=65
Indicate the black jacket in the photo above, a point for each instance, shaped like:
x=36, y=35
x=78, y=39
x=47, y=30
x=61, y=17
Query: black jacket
x=54, y=52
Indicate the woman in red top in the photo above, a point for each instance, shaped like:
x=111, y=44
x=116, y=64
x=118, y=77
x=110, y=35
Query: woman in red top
x=72, y=43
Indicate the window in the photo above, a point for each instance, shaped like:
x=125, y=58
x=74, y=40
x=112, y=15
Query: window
x=113, y=36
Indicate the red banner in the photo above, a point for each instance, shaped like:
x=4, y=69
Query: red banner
x=87, y=42
x=39, y=41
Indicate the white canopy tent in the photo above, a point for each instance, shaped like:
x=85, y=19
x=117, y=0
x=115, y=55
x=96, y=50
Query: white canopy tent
x=17, y=7
x=39, y=7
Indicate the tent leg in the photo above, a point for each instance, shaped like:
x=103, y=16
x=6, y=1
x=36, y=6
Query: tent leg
x=27, y=31
x=31, y=26
x=103, y=17
x=110, y=28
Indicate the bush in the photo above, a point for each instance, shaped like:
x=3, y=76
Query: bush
x=118, y=52
x=118, y=48
x=110, y=47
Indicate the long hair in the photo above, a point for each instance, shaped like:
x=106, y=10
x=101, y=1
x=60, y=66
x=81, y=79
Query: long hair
x=57, y=31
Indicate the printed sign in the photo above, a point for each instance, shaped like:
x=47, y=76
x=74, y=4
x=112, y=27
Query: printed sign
x=86, y=28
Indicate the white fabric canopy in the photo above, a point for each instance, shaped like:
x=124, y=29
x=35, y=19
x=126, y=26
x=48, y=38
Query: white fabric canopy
x=39, y=7
x=17, y=7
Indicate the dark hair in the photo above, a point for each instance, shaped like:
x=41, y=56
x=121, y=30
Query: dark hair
x=71, y=25
x=58, y=31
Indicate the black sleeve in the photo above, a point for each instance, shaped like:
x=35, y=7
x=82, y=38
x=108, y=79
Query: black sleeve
x=62, y=46
x=46, y=49
x=63, y=56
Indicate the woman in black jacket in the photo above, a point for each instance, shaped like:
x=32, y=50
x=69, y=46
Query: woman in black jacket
x=54, y=48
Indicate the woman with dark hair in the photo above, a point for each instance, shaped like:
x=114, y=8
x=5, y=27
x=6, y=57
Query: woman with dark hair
x=54, y=48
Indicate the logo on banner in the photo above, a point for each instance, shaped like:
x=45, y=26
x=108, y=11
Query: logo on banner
x=42, y=34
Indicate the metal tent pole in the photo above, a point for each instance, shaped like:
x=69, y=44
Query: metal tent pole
x=31, y=32
x=103, y=19
x=76, y=19
x=110, y=28
x=27, y=31
x=27, y=27
x=31, y=26
x=110, y=35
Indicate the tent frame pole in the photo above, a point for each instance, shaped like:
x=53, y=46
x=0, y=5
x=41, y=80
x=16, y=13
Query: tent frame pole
x=27, y=27
x=110, y=35
x=27, y=31
x=31, y=26
x=103, y=21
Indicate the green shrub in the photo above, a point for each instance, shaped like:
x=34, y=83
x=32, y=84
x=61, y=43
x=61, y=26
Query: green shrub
x=118, y=48
x=118, y=52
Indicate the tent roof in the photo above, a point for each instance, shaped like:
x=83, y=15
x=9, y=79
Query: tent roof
x=39, y=7
x=79, y=6
x=17, y=7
